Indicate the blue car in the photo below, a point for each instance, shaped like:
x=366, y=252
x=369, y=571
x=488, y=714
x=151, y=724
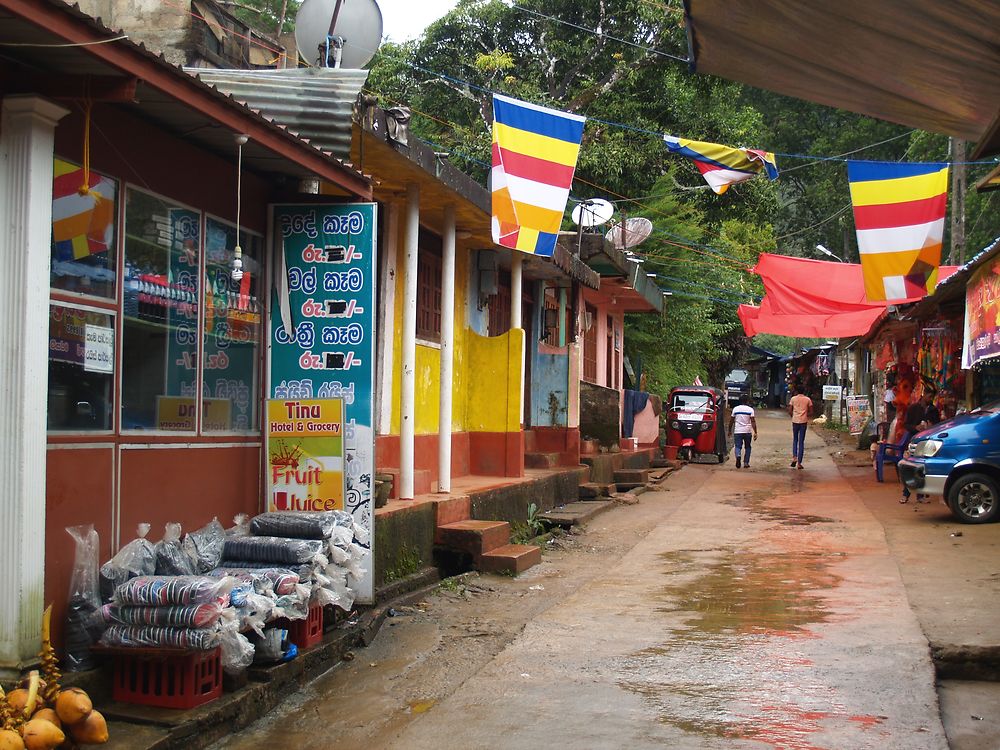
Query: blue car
x=959, y=460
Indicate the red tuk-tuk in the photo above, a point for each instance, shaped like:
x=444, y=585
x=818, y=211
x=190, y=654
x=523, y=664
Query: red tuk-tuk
x=696, y=422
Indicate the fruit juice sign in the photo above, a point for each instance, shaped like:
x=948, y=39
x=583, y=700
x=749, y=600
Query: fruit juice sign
x=305, y=454
x=328, y=350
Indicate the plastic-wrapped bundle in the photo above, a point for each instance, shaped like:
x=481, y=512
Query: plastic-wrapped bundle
x=254, y=611
x=237, y=652
x=152, y=636
x=293, y=607
x=279, y=580
x=137, y=558
x=303, y=571
x=241, y=526
x=83, y=598
x=190, y=616
x=273, y=549
x=176, y=590
x=300, y=524
x=171, y=559
x=204, y=546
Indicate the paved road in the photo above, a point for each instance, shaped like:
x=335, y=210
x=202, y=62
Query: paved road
x=751, y=608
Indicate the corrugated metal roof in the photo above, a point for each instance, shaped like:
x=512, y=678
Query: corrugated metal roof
x=314, y=103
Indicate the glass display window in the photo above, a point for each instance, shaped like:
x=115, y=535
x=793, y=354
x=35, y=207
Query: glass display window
x=81, y=369
x=232, y=335
x=160, y=314
x=84, y=217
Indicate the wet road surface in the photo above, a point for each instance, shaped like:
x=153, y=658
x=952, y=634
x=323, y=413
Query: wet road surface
x=744, y=608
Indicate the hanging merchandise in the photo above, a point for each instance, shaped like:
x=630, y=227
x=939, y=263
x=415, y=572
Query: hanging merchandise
x=722, y=166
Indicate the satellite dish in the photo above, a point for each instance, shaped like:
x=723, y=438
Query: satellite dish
x=353, y=40
x=592, y=213
x=634, y=232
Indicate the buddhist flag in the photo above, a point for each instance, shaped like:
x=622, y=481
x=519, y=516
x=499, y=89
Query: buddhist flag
x=82, y=225
x=899, y=216
x=534, y=157
x=722, y=166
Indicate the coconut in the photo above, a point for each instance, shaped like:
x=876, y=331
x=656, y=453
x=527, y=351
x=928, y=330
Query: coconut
x=73, y=705
x=47, y=714
x=91, y=731
x=10, y=740
x=39, y=734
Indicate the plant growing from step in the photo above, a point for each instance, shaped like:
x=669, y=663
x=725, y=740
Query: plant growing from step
x=533, y=526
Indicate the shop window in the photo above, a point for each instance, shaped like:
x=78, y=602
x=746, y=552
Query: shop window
x=551, y=315
x=83, y=256
x=429, y=287
x=160, y=314
x=590, y=345
x=81, y=369
x=232, y=331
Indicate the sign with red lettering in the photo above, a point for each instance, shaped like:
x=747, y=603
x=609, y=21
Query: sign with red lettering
x=305, y=454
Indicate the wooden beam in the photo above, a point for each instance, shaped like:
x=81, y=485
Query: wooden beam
x=95, y=88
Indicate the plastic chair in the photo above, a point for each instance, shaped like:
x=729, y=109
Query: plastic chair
x=890, y=453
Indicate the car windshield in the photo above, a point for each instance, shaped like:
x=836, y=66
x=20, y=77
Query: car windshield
x=692, y=402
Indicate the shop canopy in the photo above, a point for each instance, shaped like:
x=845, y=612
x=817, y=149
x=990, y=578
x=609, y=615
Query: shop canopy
x=814, y=299
x=922, y=63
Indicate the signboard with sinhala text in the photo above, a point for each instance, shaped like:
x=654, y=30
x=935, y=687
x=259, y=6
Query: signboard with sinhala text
x=329, y=353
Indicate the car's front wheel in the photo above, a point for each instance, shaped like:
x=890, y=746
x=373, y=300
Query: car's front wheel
x=974, y=498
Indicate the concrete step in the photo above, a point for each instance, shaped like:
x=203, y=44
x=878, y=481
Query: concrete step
x=572, y=514
x=592, y=490
x=473, y=537
x=512, y=559
x=541, y=460
x=629, y=486
x=631, y=476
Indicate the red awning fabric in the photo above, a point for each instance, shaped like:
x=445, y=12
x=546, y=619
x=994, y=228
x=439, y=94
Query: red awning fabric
x=814, y=299
x=812, y=326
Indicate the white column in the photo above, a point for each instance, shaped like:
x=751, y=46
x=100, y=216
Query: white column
x=516, y=281
x=27, y=126
x=409, y=350
x=387, y=322
x=447, y=348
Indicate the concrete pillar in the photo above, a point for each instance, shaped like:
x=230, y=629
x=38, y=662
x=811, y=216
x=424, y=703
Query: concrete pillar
x=387, y=322
x=516, y=282
x=447, y=348
x=27, y=128
x=409, y=349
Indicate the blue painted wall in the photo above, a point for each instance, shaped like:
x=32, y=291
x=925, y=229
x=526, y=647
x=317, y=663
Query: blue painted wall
x=549, y=377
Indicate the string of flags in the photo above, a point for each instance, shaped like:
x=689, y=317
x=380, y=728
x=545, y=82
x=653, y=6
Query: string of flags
x=899, y=208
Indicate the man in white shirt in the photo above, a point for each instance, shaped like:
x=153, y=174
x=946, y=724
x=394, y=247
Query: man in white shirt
x=743, y=424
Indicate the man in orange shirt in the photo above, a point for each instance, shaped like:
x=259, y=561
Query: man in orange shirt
x=800, y=409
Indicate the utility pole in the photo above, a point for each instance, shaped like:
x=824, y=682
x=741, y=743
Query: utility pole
x=958, y=181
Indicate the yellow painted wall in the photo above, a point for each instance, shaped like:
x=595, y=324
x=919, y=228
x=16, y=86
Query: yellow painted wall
x=494, y=380
x=486, y=391
x=427, y=390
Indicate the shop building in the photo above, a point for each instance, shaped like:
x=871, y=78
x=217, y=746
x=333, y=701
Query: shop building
x=139, y=399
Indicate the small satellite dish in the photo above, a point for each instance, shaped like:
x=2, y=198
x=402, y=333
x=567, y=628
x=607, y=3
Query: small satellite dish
x=355, y=35
x=634, y=232
x=593, y=213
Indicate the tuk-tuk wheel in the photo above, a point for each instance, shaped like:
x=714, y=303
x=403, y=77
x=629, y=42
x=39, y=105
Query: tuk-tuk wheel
x=721, y=457
x=684, y=454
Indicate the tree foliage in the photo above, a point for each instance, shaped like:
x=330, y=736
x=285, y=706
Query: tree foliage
x=624, y=81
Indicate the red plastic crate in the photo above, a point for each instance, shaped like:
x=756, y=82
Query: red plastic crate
x=167, y=678
x=307, y=632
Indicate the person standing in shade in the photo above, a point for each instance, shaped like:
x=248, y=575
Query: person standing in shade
x=916, y=419
x=743, y=424
x=800, y=409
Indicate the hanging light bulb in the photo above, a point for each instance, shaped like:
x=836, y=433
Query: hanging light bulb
x=237, y=272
